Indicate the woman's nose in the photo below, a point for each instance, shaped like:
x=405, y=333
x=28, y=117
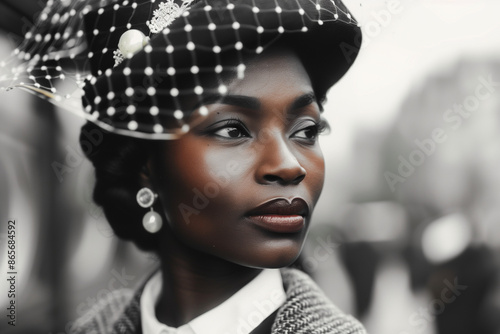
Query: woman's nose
x=278, y=164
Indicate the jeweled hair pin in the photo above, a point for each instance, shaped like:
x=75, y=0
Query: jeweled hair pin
x=166, y=13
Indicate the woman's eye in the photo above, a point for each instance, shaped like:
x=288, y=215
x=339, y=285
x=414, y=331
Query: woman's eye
x=311, y=132
x=231, y=132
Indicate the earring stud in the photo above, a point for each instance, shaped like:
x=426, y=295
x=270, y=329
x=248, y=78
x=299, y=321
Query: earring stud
x=152, y=221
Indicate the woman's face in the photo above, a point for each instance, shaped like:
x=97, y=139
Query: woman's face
x=242, y=184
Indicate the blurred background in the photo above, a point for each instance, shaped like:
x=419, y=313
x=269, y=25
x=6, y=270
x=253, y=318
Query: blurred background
x=406, y=236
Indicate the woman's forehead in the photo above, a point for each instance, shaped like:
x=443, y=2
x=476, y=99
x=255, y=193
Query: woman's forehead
x=273, y=71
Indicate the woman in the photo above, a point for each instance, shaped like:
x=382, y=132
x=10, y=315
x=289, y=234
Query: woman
x=238, y=88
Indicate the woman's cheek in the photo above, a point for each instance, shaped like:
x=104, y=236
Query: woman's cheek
x=213, y=180
x=314, y=164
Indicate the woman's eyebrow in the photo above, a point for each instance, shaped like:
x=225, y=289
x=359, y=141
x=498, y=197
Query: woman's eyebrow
x=242, y=101
x=249, y=102
x=303, y=101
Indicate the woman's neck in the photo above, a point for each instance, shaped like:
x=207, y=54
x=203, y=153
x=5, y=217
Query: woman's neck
x=195, y=282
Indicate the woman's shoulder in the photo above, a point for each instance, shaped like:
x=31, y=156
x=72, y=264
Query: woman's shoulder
x=118, y=312
x=308, y=310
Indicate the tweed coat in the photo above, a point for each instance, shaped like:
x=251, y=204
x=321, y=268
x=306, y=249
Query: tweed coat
x=306, y=310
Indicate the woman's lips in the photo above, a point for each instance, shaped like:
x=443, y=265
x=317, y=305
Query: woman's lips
x=279, y=223
x=280, y=215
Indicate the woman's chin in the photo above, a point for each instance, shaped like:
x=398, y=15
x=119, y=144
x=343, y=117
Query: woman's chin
x=272, y=255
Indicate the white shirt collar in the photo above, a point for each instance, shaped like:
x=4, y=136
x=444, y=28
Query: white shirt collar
x=239, y=314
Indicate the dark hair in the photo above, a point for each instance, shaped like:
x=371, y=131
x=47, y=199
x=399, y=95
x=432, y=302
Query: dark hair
x=118, y=162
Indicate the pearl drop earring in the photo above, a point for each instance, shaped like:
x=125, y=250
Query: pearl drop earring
x=151, y=221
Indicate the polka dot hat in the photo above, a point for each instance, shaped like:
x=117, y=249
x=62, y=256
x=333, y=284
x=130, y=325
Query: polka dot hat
x=141, y=67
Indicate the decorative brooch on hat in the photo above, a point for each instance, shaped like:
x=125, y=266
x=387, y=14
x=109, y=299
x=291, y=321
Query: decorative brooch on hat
x=134, y=40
